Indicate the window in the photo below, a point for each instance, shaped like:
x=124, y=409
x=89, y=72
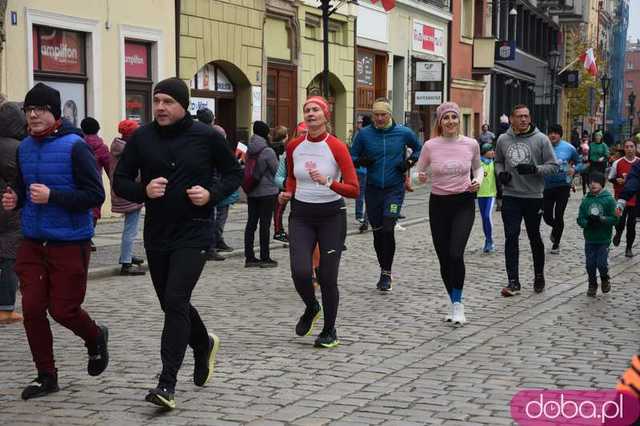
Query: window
x=466, y=124
x=629, y=65
x=59, y=61
x=466, y=29
x=137, y=71
x=629, y=84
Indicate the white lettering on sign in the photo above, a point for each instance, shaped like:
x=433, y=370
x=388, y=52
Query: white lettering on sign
x=134, y=60
x=428, y=98
x=61, y=53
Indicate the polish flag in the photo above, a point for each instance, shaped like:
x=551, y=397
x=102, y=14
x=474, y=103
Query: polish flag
x=589, y=61
x=386, y=4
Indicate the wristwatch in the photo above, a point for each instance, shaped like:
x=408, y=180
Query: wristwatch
x=328, y=182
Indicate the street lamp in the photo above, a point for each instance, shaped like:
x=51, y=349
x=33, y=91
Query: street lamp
x=554, y=62
x=632, y=107
x=604, y=82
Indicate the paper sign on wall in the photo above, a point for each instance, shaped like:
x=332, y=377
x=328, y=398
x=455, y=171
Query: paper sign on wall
x=428, y=98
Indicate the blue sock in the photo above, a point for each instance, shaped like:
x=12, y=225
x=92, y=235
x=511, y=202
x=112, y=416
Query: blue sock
x=456, y=295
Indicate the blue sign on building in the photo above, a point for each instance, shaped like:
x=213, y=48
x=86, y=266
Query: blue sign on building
x=505, y=50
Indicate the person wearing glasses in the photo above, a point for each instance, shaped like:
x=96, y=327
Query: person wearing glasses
x=57, y=185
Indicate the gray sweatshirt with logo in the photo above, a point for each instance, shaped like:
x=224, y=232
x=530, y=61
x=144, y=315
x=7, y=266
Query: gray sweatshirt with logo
x=531, y=147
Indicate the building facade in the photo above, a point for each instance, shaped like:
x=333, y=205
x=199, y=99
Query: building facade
x=632, y=81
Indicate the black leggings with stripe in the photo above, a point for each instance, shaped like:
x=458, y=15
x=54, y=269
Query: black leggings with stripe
x=326, y=225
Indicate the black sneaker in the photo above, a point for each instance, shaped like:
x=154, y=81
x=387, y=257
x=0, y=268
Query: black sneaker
x=268, y=263
x=605, y=283
x=538, y=284
x=204, y=362
x=99, y=355
x=616, y=238
x=162, y=397
x=252, y=263
x=327, y=339
x=93, y=246
x=129, y=269
x=214, y=255
x=223, y=247
x=363, y=227
x=308, y=319
x=628, y=252
x=281, y=236
x=137, y=260
x=593, y=288
x=512, y=289
x=42, y=385
x=384, y=283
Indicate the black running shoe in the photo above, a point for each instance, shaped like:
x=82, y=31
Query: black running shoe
x=42, y=385
x=162, y=397
x=99, y=355
x=512, y=289
x=308, y=319
x=281, y=236
x=593, y=288
x=605, y=283
x=384, y=283
x=538, y=284
x=205, y=361
x=327, y=339
x=222, y=247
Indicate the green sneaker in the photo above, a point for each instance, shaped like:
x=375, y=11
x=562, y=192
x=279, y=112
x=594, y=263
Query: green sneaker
x=307, y=320
x=205, y=362
x=162, y=397
x=327, y=339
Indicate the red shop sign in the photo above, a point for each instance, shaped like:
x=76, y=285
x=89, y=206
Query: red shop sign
x=136, y=60
x=60, y=51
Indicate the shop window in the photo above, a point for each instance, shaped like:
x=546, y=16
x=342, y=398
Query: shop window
x=138, y=81
x=59, y=61
x=371, y=77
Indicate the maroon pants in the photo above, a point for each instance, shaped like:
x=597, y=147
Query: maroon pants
x=53, y=278
x=277, y=217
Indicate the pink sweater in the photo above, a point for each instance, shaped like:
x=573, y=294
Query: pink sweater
x=451, y=163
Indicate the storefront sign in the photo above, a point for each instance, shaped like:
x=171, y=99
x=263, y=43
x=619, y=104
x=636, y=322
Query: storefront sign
x=364, y=68
x=428, y=71
x=72, y=99
x=428, y=98
x=428, y=39
x=136, y=60
x=212, y=78
x=198, y=103
x=60, y=51
x=222, y=82
x=505, y=50
x=256, y=99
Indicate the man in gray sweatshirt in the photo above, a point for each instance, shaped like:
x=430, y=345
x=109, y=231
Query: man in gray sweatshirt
x=524, y=155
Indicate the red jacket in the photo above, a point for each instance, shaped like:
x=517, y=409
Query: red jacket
x=103, y=160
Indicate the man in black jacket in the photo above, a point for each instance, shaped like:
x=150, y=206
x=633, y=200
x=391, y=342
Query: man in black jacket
x=176, y=158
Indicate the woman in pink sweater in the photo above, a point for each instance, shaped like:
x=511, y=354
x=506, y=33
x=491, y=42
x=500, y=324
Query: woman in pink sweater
x=451, y=158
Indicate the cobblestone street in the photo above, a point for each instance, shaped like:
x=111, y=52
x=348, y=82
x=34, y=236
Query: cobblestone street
x=398, y=363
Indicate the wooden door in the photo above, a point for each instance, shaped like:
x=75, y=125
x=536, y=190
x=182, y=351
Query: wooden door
x=281, y=96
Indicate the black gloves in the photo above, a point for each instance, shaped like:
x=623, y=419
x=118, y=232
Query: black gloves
x=504, y=177
x=364, y=161
x=406, y=165
x=527, y=169
x=594, y=220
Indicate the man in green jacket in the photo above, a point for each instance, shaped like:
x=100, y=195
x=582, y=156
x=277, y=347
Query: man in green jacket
x=597, y=216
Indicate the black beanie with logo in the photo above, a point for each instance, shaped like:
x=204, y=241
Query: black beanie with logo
x=175, y=88
x=41, y=95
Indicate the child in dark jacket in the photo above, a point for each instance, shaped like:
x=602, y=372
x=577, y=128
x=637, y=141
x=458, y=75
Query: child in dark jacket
x=597, y=216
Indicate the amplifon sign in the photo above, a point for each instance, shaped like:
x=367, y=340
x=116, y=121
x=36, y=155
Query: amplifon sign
x=60, y=50
x=428, y=39
x=136, y=60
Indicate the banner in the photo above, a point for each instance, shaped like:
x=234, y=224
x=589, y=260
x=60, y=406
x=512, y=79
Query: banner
x=136, y=60
x=428, y=39
x=60, y=51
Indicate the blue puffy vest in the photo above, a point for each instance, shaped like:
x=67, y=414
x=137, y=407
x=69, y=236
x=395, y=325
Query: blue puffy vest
x=48, y=162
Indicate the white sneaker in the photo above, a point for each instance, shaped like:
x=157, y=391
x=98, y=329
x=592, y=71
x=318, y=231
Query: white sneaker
x=449, y=316
x=399, y=227
x=458, y=317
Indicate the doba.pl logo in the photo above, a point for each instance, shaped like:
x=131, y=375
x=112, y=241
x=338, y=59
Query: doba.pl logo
x=574, y=407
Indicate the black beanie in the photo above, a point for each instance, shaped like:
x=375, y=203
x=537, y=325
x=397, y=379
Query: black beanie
x=90, y=126
x=261, y=128
x=175, y=88
x=41, y=95
x=597, y=177
x=205, y=115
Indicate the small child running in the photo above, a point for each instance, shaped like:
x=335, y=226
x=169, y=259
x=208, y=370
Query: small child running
x=597, y=216
x=487, y=195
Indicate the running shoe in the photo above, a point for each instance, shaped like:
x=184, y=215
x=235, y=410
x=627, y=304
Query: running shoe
x=512, y=289
x=308, y=320
x=363, y=227
x=42, y=385
x=205, y=361
x=628, y=252
x=593, y=287
x=605, y=283
x=616, y=238
x=384, y=283
x=161, y=396
x=449, y=316
x=538, y=283
x=555, y=249
x=327, y=339
x=281, y=236
x=99, y=353
x=458, y=317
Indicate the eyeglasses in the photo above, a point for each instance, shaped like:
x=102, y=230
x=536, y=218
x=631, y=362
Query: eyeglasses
x=39, y=109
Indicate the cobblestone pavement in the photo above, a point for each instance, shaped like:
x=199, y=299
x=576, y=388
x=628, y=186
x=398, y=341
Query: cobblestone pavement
x=398, y=363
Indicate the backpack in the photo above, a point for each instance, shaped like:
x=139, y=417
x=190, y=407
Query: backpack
x=249, y=180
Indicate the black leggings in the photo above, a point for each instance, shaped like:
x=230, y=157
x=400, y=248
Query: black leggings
x=384, y=243
x=260, y=210
x=326, y=225
x=451, y=219
x=554, y=204
x=628, y=218
x=174, y=275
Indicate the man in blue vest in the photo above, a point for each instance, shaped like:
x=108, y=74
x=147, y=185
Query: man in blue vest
x=382, y=149
x=56, y=187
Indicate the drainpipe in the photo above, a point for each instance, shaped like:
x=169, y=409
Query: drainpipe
x=449, y=51
x=177, y=18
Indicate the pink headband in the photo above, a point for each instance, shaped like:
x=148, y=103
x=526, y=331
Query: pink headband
x=321, y=102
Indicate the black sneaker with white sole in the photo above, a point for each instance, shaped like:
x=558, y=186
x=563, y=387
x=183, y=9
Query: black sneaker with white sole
x=512, y=289
x=162, y=397
x=42, y=385
x=99, y=353
x=204, y=361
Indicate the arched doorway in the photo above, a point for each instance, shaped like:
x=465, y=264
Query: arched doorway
x=337, y=102
x=225, y=89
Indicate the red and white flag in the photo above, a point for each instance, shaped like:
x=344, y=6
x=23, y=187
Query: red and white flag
x=386, y=4
x=589, y=61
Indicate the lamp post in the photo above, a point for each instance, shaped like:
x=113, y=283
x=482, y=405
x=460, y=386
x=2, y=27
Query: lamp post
x=554, y=61
x=604, y=82
x=632, y=107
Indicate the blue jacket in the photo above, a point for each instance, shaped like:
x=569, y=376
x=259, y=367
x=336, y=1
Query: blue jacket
x=565, y=153
x=66, y=165
x=388, y=150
